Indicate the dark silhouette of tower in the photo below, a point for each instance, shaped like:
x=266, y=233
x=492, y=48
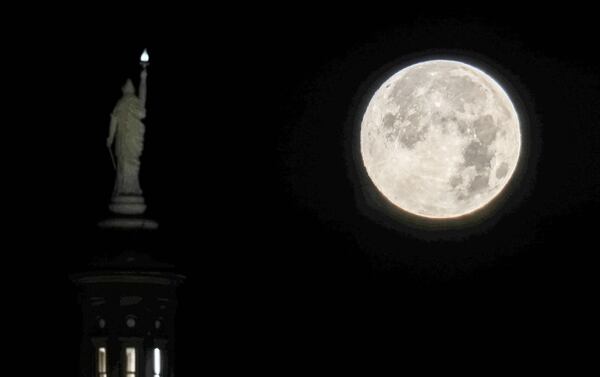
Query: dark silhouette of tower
x=128, y=306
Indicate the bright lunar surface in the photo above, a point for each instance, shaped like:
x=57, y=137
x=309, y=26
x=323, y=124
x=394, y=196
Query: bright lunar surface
x=440, y=139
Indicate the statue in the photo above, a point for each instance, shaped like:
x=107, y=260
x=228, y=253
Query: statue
x=126, y=134
x=126, y=137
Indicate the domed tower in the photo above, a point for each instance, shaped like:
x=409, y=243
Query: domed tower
x=129, y=301
x=129, y=306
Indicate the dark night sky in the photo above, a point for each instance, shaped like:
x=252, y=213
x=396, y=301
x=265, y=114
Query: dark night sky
x=246, y=168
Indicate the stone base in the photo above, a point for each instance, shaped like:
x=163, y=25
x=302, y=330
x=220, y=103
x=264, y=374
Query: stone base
x=127, y=205
x=128, y=223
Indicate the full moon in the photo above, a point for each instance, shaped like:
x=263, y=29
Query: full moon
x=440, y=139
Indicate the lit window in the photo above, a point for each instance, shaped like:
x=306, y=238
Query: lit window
x=102, y=362
x=157, y=362
x=130, y=361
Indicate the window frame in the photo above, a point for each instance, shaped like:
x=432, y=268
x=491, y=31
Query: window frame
x=160, y=368
x=161, y=344
x=126, y=362
x=137, y=344
x=100, y=343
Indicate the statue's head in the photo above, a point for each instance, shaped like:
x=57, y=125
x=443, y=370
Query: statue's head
x=128, y=88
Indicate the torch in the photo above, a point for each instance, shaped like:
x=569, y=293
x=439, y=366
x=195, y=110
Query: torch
x=144, y=62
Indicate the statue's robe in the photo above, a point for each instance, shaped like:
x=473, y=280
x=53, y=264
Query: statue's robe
x=129, y=142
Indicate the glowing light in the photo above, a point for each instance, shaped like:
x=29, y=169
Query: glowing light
x=130, y=357
x=102, y=362
x=157, y=362
x=145, y=57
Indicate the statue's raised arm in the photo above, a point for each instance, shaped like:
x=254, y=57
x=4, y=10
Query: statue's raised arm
x=142, y=89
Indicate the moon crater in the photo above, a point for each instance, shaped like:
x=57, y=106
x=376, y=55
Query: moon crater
x=440, y=139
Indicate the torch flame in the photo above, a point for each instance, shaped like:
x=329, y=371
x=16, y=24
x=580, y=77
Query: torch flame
x=145, y=57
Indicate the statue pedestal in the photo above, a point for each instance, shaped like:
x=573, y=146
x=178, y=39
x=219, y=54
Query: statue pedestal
x=128, y=209
x=127, y=205
x=128, y=223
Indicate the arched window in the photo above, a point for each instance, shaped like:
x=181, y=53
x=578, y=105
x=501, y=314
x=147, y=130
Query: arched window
x=101, y=362
x=157, y=362
x=130, y=362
